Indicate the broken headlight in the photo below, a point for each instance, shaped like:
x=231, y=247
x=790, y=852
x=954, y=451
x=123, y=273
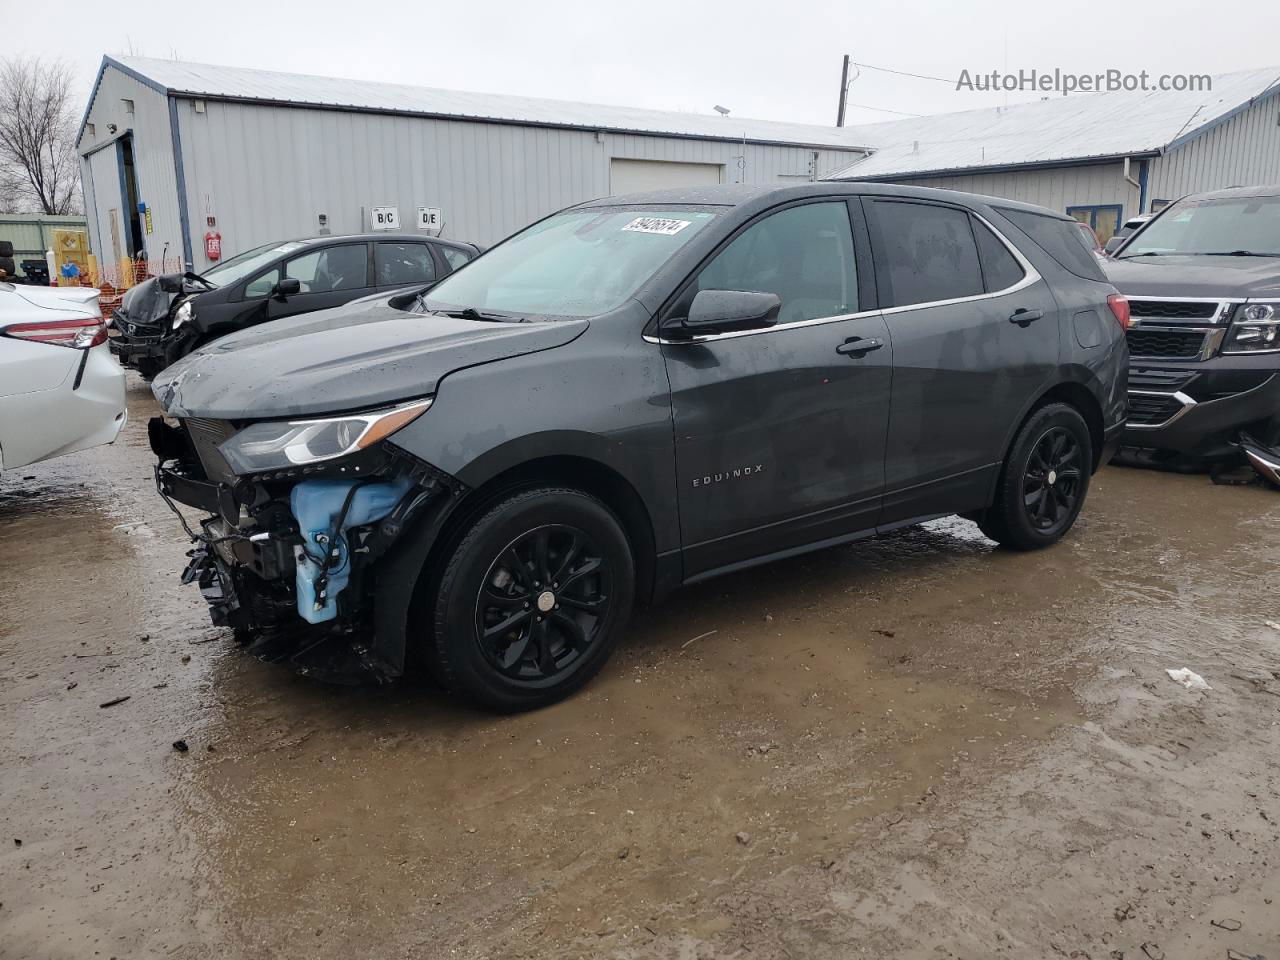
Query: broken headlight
x=1255, y=328
x=280, y=444
x=186, y=310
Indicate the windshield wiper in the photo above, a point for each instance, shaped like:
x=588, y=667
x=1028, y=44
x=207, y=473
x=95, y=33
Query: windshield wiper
x=1145, y=253
x=471, y=313
x=1233, y=253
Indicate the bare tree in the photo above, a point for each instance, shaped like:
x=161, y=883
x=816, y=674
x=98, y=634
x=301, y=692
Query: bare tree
x=38, y=161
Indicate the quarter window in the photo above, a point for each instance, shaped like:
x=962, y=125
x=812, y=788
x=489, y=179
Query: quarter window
x=1000, y=269
x=402, y=264
x=262, y=285
x=329, y=269
x=928, y=252
x=456, y=256
x=803, y=254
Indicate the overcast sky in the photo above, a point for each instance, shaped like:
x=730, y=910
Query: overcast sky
x=774, y=60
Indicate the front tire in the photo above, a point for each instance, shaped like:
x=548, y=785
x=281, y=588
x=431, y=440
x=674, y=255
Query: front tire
x=532, y=600
x=1043, y=482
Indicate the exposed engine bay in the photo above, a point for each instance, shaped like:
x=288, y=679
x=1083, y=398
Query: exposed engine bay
x=292, y=559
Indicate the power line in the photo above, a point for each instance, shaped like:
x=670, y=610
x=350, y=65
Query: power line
x=903, y=73
x=901, y=113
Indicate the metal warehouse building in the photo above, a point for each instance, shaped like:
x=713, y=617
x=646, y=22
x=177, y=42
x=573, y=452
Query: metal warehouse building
x=173, y=152
x=1099, y=157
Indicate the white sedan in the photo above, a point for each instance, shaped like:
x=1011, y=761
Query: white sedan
x=60, y=388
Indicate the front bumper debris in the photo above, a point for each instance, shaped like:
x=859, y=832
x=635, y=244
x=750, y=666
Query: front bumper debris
x=292, y=563
x=1198, y=411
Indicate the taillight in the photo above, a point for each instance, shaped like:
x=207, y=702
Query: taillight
x=80, y=334
x=1119, y=305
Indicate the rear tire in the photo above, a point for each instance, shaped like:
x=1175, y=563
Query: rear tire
x=532, y=600
x=1043, y=482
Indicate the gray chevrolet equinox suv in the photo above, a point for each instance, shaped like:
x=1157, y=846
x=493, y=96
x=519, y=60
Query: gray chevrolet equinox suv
x=629, y=395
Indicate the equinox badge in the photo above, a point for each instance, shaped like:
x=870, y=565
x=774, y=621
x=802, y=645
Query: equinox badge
x=734, y=474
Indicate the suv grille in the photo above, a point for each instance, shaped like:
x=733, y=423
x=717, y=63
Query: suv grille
x=205, y=435
x=1174, y=309
x=1147, y=410
x=1165, y=344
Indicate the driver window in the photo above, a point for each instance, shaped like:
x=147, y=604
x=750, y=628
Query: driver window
x=332, y=268
x=803, y=254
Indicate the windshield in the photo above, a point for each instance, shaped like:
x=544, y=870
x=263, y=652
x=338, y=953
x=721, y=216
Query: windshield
x=575, y=264
x=1231, y=226
x=243, y=264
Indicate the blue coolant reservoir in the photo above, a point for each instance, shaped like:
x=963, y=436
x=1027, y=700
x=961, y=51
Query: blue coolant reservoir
x=316, y=505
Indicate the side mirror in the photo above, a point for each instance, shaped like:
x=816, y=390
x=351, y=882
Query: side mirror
x=1112, y=245
x=726, y=311
x=287, y=288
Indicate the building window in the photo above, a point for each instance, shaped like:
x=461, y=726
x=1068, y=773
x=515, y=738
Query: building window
x=1158, y=205
x=89, y=128
x=1104, y=219
x=128, y=106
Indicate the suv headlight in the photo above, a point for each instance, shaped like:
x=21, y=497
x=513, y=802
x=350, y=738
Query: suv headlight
x=1255, y=327
x=281, y=444
x=186, y=310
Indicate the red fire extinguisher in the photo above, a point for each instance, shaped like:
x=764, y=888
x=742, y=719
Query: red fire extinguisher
x=213, y=245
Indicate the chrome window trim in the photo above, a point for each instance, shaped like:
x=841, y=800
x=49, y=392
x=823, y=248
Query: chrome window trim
x=1030, y=276
x=1186, y=401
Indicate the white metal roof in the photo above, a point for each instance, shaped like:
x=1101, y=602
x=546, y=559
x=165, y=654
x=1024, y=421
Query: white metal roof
x=241, y=83
x=1077, y=127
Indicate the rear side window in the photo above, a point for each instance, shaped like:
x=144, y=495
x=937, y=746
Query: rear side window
x=999, y=268
x=1061, y=239
x=402, y=264
x=926, y=252
x=803, y=254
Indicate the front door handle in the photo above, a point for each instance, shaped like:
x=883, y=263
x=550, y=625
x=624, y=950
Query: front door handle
x=1024, y=318
x=859, y=347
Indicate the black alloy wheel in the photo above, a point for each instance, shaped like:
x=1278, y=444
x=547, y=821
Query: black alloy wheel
x=542, y=603
x=532, y=596
x=1043, y=482
x=1051, y=483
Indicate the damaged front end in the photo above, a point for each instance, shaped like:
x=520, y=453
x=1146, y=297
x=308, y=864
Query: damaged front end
x=305, y=535
x=150, y=328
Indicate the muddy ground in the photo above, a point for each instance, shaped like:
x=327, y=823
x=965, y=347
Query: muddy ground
x=919, y=746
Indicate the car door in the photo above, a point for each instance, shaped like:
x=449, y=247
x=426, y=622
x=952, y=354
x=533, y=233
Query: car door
x=975, y=339
x=329, y=277
x=779, y=433
x=403, y=263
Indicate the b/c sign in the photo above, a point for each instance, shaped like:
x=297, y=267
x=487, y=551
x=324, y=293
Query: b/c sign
x=384, y=218
x=429, y=218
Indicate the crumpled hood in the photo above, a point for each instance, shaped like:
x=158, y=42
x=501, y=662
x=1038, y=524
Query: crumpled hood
x=360, y=355
x=146, y=303
x=1208, y=277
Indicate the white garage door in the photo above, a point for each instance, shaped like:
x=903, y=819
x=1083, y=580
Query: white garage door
x=633, y=176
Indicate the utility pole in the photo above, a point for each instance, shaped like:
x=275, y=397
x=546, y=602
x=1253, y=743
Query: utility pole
x=844, y=91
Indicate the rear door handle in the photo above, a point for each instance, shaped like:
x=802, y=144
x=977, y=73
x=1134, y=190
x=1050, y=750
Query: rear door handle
x=1024, y=318
x=859, y=347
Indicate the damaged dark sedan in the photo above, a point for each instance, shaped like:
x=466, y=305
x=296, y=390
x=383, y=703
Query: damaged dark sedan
x=164, y=318
x=630, y=395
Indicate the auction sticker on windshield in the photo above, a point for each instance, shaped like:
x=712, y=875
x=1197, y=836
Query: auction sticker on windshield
x=666, y=228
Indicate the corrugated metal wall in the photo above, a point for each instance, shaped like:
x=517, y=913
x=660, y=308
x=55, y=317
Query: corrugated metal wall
x=153, y=163
x=1243, y=151
x=1056, y=188
x=32, y=233
x=267, y=172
